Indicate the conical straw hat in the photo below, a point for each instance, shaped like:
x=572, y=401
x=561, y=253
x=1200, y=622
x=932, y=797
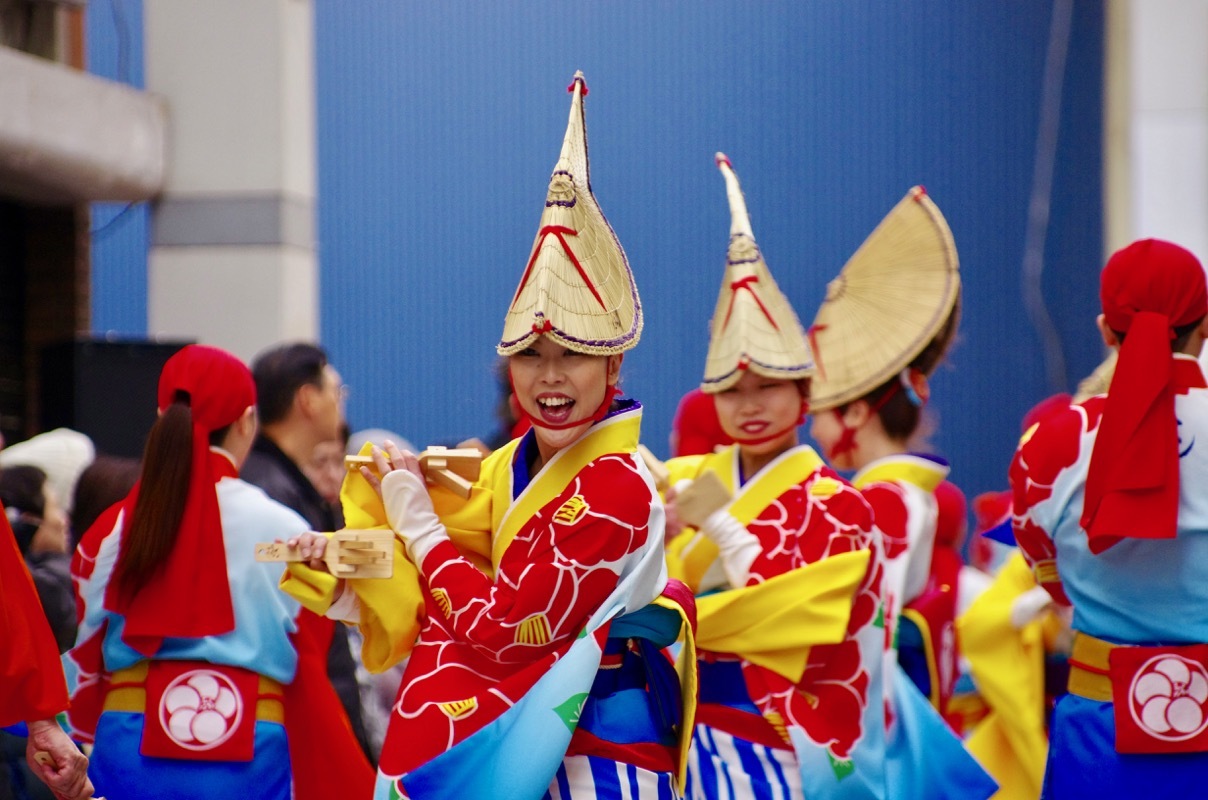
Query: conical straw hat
x=577, y=287
x=754, y=327
x=890, y=300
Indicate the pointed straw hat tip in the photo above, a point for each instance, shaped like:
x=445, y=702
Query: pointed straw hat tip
x=578, y=79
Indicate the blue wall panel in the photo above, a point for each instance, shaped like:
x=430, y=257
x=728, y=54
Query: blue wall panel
x=439, y=125
x=119, y=242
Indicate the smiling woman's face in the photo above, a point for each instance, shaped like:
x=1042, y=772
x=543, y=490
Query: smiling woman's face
x=561, y=387
x=756, y=408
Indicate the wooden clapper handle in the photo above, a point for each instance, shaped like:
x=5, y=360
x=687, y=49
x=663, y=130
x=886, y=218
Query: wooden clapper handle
x=350, y=553
x=456, y=469
x=701, y=498
x=695, y=502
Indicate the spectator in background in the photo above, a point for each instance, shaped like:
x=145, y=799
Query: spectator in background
x=40, y=528
x=300, y=400
x=325, y=470
x=105, y=481
x=61, y=453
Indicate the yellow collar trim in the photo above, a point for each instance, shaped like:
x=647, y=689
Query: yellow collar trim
x=617, y=434
x=690, y=555
x=916, y=470
x=784, y=472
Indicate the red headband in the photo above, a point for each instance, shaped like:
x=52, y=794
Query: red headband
x=191, y=595
x=1148, y=289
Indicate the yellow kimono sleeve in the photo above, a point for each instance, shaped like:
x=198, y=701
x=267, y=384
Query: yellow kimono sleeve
x=773, y=624
x=684, y=467
x=688, y=555
x=392, y=609
x=1008, y=668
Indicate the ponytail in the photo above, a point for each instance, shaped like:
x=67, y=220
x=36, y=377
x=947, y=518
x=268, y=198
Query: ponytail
x=150, y=533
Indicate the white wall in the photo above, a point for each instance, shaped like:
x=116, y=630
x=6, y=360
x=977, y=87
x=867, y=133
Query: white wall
x=1157, y=131
x=233, y=259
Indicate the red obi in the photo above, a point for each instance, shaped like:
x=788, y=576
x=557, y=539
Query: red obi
x=195, y=710
x=1160, y=695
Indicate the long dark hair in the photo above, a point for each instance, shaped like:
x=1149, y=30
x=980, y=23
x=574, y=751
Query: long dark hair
x=154, y=524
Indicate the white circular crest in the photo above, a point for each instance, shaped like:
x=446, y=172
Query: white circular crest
x=200, y=709
x=1168, y=698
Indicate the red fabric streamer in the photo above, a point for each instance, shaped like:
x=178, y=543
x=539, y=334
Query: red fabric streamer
x=323, y=751
x=847, y=440
x=1132, y=484
x=190, y=595
x=31, y=677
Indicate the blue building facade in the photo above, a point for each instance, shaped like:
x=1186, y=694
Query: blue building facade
x=439, y=123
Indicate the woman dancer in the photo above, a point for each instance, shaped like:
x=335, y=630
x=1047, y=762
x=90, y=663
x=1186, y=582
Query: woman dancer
x=787, y=532
x=535, y=663
x=185, y=649
x=885, y=325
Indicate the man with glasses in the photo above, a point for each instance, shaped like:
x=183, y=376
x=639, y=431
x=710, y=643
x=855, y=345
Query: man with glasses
x=300, y=401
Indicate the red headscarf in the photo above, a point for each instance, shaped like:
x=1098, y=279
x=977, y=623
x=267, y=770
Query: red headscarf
x=696, y=427
x=190, y=595
x=1148, y=289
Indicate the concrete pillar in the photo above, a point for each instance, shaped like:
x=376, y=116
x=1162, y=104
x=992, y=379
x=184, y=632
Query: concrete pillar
x=232, y=259
x=1157, y=146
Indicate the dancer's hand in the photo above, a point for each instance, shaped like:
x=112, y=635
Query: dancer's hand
x=56, y=761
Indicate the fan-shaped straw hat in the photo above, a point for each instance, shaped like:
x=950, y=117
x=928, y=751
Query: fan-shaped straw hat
x=890, y=300
x=754, y=328
x=577, y=287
